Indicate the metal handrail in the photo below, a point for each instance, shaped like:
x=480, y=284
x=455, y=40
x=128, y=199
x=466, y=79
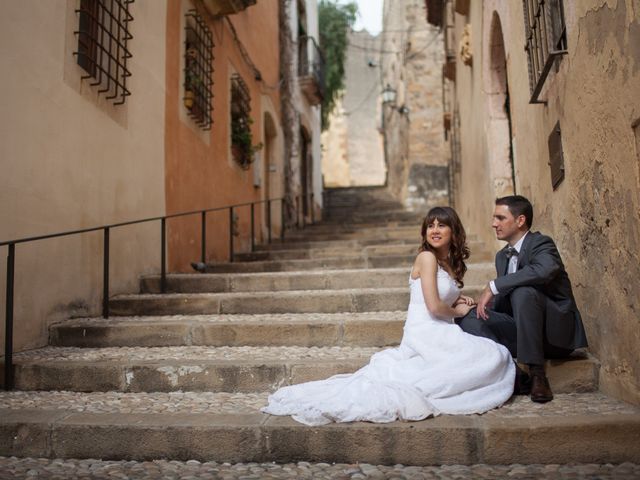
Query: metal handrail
x=11, y=244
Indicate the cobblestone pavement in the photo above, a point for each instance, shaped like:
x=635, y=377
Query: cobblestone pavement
x=197, y=353
x=41, y=468
x=241, y=403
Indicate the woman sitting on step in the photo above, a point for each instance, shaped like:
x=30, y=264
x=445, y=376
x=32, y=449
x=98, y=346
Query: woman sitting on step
x=437, y=369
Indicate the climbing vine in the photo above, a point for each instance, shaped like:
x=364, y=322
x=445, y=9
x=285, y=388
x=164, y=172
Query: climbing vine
x=334, y=23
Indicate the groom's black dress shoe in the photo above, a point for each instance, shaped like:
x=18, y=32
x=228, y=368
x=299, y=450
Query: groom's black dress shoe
x=522, y=383
x=540, y=389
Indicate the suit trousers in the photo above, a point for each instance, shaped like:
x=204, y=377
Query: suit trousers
x=519, y=325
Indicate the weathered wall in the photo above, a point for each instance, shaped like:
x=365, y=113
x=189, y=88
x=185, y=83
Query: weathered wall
x=72, y=160
x=335, y=164
x=353, y=153
x=594, y=214
x=197, y=160
x=412, y=65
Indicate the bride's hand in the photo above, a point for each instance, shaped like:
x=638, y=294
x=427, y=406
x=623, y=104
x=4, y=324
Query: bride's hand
x=463, y=299
x=461, y=309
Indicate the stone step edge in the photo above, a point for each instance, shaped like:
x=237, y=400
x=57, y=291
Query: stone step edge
x=257, y=437
x=240, y=375
x=275, y=293
x=321, y=330
x=319, y=273
x=332, y=329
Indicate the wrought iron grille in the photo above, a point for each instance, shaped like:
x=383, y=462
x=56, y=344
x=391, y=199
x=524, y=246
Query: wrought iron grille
x=198, y=70
x=546, y=39
x=241, y=138
x=103, y=33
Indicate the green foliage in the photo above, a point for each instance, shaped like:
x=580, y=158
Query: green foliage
x=242, y=141
x=334, y=22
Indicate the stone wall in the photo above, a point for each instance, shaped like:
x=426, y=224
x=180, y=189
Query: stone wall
x=412, y=65
x=594, y=213
x=353, y=152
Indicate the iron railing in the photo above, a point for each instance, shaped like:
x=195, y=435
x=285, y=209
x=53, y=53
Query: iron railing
x=311, y=61
x=11, y=256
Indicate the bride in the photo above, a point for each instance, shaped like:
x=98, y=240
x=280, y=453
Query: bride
x=437, y=369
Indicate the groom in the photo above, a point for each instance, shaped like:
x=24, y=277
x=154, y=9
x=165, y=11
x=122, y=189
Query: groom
x=529, y=307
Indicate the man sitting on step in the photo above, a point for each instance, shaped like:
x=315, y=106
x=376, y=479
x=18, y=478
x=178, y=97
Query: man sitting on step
x=529, y=307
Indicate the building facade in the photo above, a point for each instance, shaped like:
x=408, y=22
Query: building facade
x=119, y=111
x=544, y=101
x=353, y=143
x=412, y=117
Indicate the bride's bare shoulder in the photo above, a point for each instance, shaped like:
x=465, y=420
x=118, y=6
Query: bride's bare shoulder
x=425, y=262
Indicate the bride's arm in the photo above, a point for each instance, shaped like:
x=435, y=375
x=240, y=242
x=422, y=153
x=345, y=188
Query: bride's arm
x=427, y=266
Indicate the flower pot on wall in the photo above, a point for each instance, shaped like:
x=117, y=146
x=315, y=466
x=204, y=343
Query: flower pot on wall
x=188, y=99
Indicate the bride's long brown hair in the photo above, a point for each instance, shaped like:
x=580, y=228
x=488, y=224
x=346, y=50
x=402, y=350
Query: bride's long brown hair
x=458, y=249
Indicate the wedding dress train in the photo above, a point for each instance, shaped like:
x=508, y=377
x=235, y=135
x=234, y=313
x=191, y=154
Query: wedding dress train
x=437, y=368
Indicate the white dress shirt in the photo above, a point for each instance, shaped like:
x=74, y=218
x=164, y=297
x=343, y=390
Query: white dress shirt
x=513, y=263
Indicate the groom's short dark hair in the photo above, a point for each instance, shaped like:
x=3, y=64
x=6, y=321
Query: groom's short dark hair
x=518, y=205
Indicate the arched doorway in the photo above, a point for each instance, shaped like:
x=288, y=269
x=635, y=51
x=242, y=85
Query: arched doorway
x=500, y=134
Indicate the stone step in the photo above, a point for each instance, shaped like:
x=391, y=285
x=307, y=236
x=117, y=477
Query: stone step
x=223, y=369
x=477, y=274
x=588, y=428
x=294, y=301
x=347, y=262
x=342, y=251
x=371, y=329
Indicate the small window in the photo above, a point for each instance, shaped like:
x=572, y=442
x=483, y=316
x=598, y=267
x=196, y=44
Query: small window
x=546, y=39
x=556, y=156
x=103, y=33
x=198, y=70
x=242, y=147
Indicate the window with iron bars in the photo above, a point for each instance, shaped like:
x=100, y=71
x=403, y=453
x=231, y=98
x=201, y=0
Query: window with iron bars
x=242, y=147
x=103, y=33
x=546, y=39
x=198, y=70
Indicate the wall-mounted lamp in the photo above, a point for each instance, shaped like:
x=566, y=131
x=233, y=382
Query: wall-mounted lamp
x=389, y=98
x=388, y=95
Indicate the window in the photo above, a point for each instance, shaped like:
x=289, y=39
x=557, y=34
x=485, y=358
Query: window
x=242, y=147
x=546, y=39
x=556, y=156
x=198, y=70
x=103, y=32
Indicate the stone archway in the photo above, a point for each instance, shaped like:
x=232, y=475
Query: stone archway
x=499, y=132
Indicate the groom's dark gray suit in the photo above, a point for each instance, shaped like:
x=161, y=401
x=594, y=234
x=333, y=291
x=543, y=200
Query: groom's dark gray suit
x=534, y=314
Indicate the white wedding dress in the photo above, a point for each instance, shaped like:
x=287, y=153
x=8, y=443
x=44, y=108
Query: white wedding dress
x=437, y=369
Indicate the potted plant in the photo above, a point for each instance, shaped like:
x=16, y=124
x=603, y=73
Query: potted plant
x=242, y=147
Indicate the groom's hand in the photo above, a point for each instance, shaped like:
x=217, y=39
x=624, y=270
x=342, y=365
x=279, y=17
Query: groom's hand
x=483, y=302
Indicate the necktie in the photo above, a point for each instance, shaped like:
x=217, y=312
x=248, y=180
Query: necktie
x=511, y=252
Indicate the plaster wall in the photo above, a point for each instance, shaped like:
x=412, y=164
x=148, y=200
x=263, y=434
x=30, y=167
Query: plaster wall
x=200, y=170
x=594, y=214
x=72, y=160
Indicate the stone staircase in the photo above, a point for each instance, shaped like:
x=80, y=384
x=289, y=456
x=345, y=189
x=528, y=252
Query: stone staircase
x=183, y=375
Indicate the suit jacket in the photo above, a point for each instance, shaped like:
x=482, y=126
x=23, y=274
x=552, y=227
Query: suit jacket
x=540, y=266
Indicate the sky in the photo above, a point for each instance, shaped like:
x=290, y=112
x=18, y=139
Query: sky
x=369, y=15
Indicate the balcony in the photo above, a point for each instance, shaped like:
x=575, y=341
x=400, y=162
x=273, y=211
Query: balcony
x=311, y=70
x=219, y=8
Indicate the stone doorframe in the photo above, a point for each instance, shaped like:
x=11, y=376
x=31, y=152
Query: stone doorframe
x=494, y=70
